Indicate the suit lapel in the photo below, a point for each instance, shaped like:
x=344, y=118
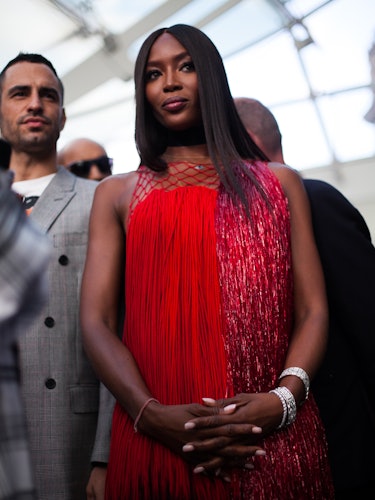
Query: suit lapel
x=54, y=199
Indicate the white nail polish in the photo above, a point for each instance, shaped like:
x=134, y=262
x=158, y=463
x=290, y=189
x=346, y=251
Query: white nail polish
x=209, y=400
x=189, y=425
x=188, y=447
x=198, y=470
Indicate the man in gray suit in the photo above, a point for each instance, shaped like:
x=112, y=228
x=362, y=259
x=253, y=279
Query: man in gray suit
x=60, y=390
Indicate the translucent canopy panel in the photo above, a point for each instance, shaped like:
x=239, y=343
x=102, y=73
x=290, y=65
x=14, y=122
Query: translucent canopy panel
x=31, y=26
x=308, y=60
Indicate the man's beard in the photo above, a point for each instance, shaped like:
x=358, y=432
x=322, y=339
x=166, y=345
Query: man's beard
x=36, y=144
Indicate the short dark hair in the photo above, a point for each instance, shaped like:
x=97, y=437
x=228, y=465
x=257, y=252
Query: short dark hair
x=32, y=58
x=259, y=121
x=228, y=142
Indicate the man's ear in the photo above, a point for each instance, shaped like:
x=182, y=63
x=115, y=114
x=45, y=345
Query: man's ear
x=63, y=120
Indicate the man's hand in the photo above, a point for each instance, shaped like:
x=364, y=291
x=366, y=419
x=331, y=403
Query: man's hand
x=96, y=486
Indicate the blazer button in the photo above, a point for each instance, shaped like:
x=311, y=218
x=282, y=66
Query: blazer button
x=63, y=260
x=50, y=383
x=49, y=322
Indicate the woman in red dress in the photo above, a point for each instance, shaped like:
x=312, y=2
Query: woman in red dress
x=226, y=314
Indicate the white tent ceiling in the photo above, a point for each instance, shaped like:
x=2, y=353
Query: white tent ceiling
x=308, y=60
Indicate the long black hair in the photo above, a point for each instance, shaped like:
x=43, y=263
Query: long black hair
x=227, y=140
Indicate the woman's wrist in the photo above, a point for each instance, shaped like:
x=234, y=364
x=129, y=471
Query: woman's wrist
x=301, y=374
x=142, y=410
x=289, y=405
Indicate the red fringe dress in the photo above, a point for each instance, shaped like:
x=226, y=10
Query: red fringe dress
x=209, y=308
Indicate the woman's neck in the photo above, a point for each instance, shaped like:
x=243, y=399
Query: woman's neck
x=187, y=145
x=192, y=154
x=191, y=137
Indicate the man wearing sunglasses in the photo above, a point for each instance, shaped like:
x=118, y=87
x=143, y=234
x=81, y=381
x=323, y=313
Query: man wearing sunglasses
x=86, y=158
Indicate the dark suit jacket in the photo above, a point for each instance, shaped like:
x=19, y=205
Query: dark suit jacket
x=344, y=387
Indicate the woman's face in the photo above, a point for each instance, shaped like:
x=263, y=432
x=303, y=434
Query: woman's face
x=172, y=84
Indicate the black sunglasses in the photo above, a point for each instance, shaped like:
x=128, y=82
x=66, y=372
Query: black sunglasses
x=82, y=168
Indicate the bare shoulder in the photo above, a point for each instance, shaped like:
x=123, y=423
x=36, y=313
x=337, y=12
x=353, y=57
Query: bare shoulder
x=284, y=172
x=117, y=187
x=118, y=182
x=289, y=178
x=114, y=194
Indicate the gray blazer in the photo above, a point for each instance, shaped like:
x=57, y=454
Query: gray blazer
x=60, y=389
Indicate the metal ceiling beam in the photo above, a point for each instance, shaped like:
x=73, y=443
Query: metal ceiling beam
x=112, y=60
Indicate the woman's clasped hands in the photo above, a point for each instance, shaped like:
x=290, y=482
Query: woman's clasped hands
x=230, y=435
x=218, y=435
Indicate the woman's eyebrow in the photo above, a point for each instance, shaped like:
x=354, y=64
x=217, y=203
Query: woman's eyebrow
x=176, y=58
